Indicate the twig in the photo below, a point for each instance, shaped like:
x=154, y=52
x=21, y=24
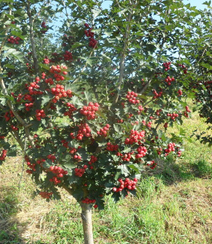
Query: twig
x=31, y=31
x=18, y=139
x=123, y=55
x=146, y=86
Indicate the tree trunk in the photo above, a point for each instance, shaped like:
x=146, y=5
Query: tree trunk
x=87, y=222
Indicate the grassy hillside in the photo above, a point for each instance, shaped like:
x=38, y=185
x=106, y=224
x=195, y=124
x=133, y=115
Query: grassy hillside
x=174, y=205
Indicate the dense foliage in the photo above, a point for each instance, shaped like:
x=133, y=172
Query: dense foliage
x=89, y=101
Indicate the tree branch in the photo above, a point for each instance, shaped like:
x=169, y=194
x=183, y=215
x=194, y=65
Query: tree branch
x=69, y=190
x=18, y=139
x=123, y=54
x=31, y=31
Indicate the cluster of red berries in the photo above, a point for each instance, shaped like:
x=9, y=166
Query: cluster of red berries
x=49, y=81
x=55, y=180
x=40, y=161
x=70, y=111
x=179, y=153
x=84, y=130
x=92, y=42
x=111, y=147
x=3, y=155
x=28, y=97
x=159, y=151
x=88, y=201
x=135, y=136
x=180, y=93
x=8, y=115
x=187, y=111
x=126, y=156
x=32, y=167
x=165, y=125
x=173, y=116
x=126, y=184
x=167, y=65
x=32, y=88
x=158, y=112
x=28, y=106
x=77, y=157
x=59, y=174
x=184, y=68
x=152, y=164
x=141, y=108
x=57, y=70
x=59, y=92
x=156, y=94
x=58, y=171
x=51, y=157
x=14, y=128
x=72, y=149
x=79, y=172
x=18, y=98
x=67, y=56
x=141, y=152
x=120, y=121
x=171, y=148
x=169, y=80
x=90, y=110
x=44, y=27
x=103, y=131
x=46, y=60
x=40, y=114
x=45, y=195
x=132, y=97
x=64, y=143
x=93, y=159
x=14, y=40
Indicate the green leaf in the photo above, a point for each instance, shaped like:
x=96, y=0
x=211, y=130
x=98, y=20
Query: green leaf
x=95, y=12
x=124, y=169
x=45, y=100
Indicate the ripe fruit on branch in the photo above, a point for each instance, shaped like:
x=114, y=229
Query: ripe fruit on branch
x=135, y=136
x=90, y=110
x=126, y=184
x=104, y=130
x=40, y=114
x=14, y=40
x=88, y=201
x=3, y=155
x=132, y=97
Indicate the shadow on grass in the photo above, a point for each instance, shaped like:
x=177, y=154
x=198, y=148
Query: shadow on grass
x=9, y=231
x=171, y=172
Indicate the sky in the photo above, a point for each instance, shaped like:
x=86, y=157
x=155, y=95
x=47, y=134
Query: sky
x=197, y=3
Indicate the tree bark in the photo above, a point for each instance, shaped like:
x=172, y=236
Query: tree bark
x=87, y=223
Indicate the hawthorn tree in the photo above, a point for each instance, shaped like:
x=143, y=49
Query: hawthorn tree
x=199, y=54
x=89, y=101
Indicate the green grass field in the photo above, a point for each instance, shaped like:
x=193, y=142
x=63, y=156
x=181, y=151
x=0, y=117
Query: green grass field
x=173, y=206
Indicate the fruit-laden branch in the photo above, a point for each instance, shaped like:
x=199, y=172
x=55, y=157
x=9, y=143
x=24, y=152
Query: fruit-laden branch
x=146, y=86
x=5, y=92
x=31, y=31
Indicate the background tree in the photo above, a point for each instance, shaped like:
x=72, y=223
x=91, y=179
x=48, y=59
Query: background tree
x=89, y=102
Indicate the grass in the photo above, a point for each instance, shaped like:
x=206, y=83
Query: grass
x=173, y=205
